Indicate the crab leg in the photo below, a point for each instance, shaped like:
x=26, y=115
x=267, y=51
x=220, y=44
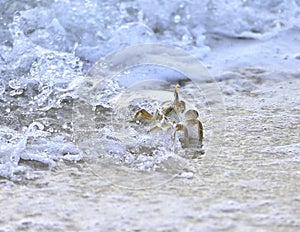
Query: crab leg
x=200, y=127
x=144, y=114
x=192, y=119
x=180, y=127
x=163, y=125
x=153, y=129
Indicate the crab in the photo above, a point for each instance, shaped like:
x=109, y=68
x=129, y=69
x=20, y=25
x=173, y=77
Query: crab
x=174, y=116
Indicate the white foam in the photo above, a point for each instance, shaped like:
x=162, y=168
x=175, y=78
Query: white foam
x=40, y=67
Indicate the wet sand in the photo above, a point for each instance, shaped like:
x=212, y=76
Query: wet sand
x=253, y=184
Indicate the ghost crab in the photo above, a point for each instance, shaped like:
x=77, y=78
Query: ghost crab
x=174, y=116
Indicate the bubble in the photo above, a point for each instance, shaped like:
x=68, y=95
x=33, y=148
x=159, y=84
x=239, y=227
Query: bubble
x=176, y=19
x=44, y=95
x=186, y=175
x=35, y=126
x=14, y=84
x=103, y=65
x=49, y=57
x=16, y=92
x=186, y=39
x=65, y=126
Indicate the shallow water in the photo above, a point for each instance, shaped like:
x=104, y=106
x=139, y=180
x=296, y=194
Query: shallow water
x=253, y=184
